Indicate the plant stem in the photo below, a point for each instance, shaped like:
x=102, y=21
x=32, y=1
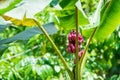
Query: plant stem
x=83, y=58
x=57, y=50
x=76, y=54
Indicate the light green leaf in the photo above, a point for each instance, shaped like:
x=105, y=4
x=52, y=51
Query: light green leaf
x=68, y=4
x=86, y=32
x=94, y=21
x=82, y=18
x=2, y=49
x=103, y=9
x=67, y=16
x=67, y=22
x=110, y=20
x=8, y=5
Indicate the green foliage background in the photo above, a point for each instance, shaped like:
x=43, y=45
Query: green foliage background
x=31, y=56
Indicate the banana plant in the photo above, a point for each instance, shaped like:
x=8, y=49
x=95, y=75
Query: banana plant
x=70, y=15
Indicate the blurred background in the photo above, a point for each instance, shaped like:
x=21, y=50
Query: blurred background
x=34, y=58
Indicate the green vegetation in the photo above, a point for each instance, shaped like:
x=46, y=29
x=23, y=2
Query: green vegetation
x=35, y=37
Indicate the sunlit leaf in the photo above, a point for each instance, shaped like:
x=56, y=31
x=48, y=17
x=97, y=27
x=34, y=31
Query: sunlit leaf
x=67, y=16
x=110, y=20
x=30, y=7
x=24, y=22
x=82, y=18
x=43, y=71
x=68, y=4
x=7, y=5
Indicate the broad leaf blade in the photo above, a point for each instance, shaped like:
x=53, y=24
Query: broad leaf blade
x=110, y=20
x=54, y=3
x=95, y=20
x=11, y=6
x=24, y=22
x=68, y=3
x=27, y=34
x=82, y=18
x=29, y=7
x=67, y=16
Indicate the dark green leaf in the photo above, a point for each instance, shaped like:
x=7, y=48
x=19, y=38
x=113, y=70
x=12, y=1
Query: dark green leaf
x=86, y=32
x=66, y=16
x=2, y=49
x=27, y=34
x=43, y=71
x=3, y=27
x=68, y=3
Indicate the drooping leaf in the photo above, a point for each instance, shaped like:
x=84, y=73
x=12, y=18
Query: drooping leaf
x=67, y=22
x=95, y=20
x=103, y=10
x=30, y=7
x=67, y=16
x=27, y=34
x=82, y=18
x=110, y=20
x=10, y=6
x=24, y=22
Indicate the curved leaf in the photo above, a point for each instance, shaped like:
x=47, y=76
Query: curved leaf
x=30, y=7
x=11, y=6
x=95, y=20
x=66, y=16
x=110, y=20
x=82, y=18
x=27, y=34
x=24, y=22
x=2, y=27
